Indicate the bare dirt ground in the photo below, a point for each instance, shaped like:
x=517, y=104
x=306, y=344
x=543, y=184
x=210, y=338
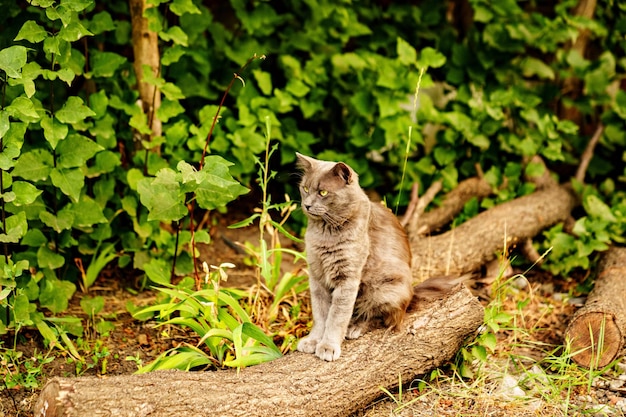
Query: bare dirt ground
x=521, y=378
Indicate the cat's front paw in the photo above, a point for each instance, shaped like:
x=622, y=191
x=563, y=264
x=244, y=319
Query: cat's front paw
x=328, y=351
x=307, y=344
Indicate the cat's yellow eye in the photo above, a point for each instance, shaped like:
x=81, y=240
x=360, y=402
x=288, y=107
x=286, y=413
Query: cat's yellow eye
x=306, y=189
x=323, y=193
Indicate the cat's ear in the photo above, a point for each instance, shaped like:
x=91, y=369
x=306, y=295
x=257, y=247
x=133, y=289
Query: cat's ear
x=304, y=162
x=344, y=172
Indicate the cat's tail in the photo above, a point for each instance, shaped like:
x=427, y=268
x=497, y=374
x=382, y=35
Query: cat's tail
x=435, y=288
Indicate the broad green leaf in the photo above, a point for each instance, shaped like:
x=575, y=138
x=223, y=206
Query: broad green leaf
x=74, y=111
x=76, y=150
x=69, y=181
x=264, y=81
x=172, y=55
x=163, y=196
x=86, y=213
x=101, y=22
x=104, y=64
x=34, y=238
x=92, y=305
x=406, y=53
x=16, y=228
x=176, y=35
x=5, y=124
x=25, y=192
x=47, y=258
x=23, y=108
x=74, y=31
x=533, y=66
x=180, y=7
x=62, y=221
x=432, y=58
x=34, y=165
x=53, y=130
x=12, y=59
x=31, y=32
x=54, y=294
x=598, y=209
x=76, y=5
x=105, y=161
x=169, y=109
x=21, y=309
x=158, y=271
x=218, y=187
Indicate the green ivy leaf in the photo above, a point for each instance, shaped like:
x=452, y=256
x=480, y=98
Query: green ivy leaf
x=17, y=226
x=92, y=305
x=76, y=5
x=264, y=81
x=62, y=221
x=169, y=109
x=74, y=111
x=176, y=35
x=104, y=64
x=34, y=238
x=406, y=53
x=55, y=294
x=53, y=130
x=46, y=258
x=13, y=139
x=158, y=271
x=69, y=181
x=533, y=66
x=76, y=150
x=101, y=22
x=23, y=108
x=25, y=192
x=74, y=31
x=598, y=209
x=180, y=7
x=162, y=196
x=218, y=187
x=12, y=59
x=432, y=58
x=86, y=213
x=34, y=165
x=31, y=32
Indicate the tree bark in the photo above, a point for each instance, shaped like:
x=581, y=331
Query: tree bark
x=295, y=385
x=597, y=330
x=479, y=240
x=146, y=52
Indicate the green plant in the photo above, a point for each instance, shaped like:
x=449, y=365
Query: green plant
x=216, y=317
x=19, y=371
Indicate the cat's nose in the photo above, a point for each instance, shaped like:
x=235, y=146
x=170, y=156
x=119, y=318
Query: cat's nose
x=307, y=207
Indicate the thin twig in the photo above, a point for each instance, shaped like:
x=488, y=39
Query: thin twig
x=587, y=155
x=412, y=205
x=421, y=205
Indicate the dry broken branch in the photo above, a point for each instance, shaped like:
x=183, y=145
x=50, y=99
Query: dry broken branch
x=477, y=241
x=597, y=330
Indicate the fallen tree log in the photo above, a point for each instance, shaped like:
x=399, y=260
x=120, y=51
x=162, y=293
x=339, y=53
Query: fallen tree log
x=597, y=331
x=479, y=240
x=295, y=385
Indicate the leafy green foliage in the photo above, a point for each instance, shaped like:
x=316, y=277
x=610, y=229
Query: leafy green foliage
x=225, y=329
x=85, y=182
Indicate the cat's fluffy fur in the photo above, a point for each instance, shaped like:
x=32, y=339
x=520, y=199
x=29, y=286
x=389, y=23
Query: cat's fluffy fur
x=358, y=254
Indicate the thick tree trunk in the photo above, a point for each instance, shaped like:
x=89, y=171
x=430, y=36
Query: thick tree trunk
x=295, y=385
x=597, y=330
x=146, y=52
x=479, y=240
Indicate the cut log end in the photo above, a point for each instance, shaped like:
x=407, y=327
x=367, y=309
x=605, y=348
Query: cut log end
x=595, y=338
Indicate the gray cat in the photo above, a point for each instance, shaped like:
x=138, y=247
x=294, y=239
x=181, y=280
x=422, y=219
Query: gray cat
x=359, y=258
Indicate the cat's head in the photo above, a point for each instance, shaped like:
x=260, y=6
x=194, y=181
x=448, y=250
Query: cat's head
x=330, y=190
